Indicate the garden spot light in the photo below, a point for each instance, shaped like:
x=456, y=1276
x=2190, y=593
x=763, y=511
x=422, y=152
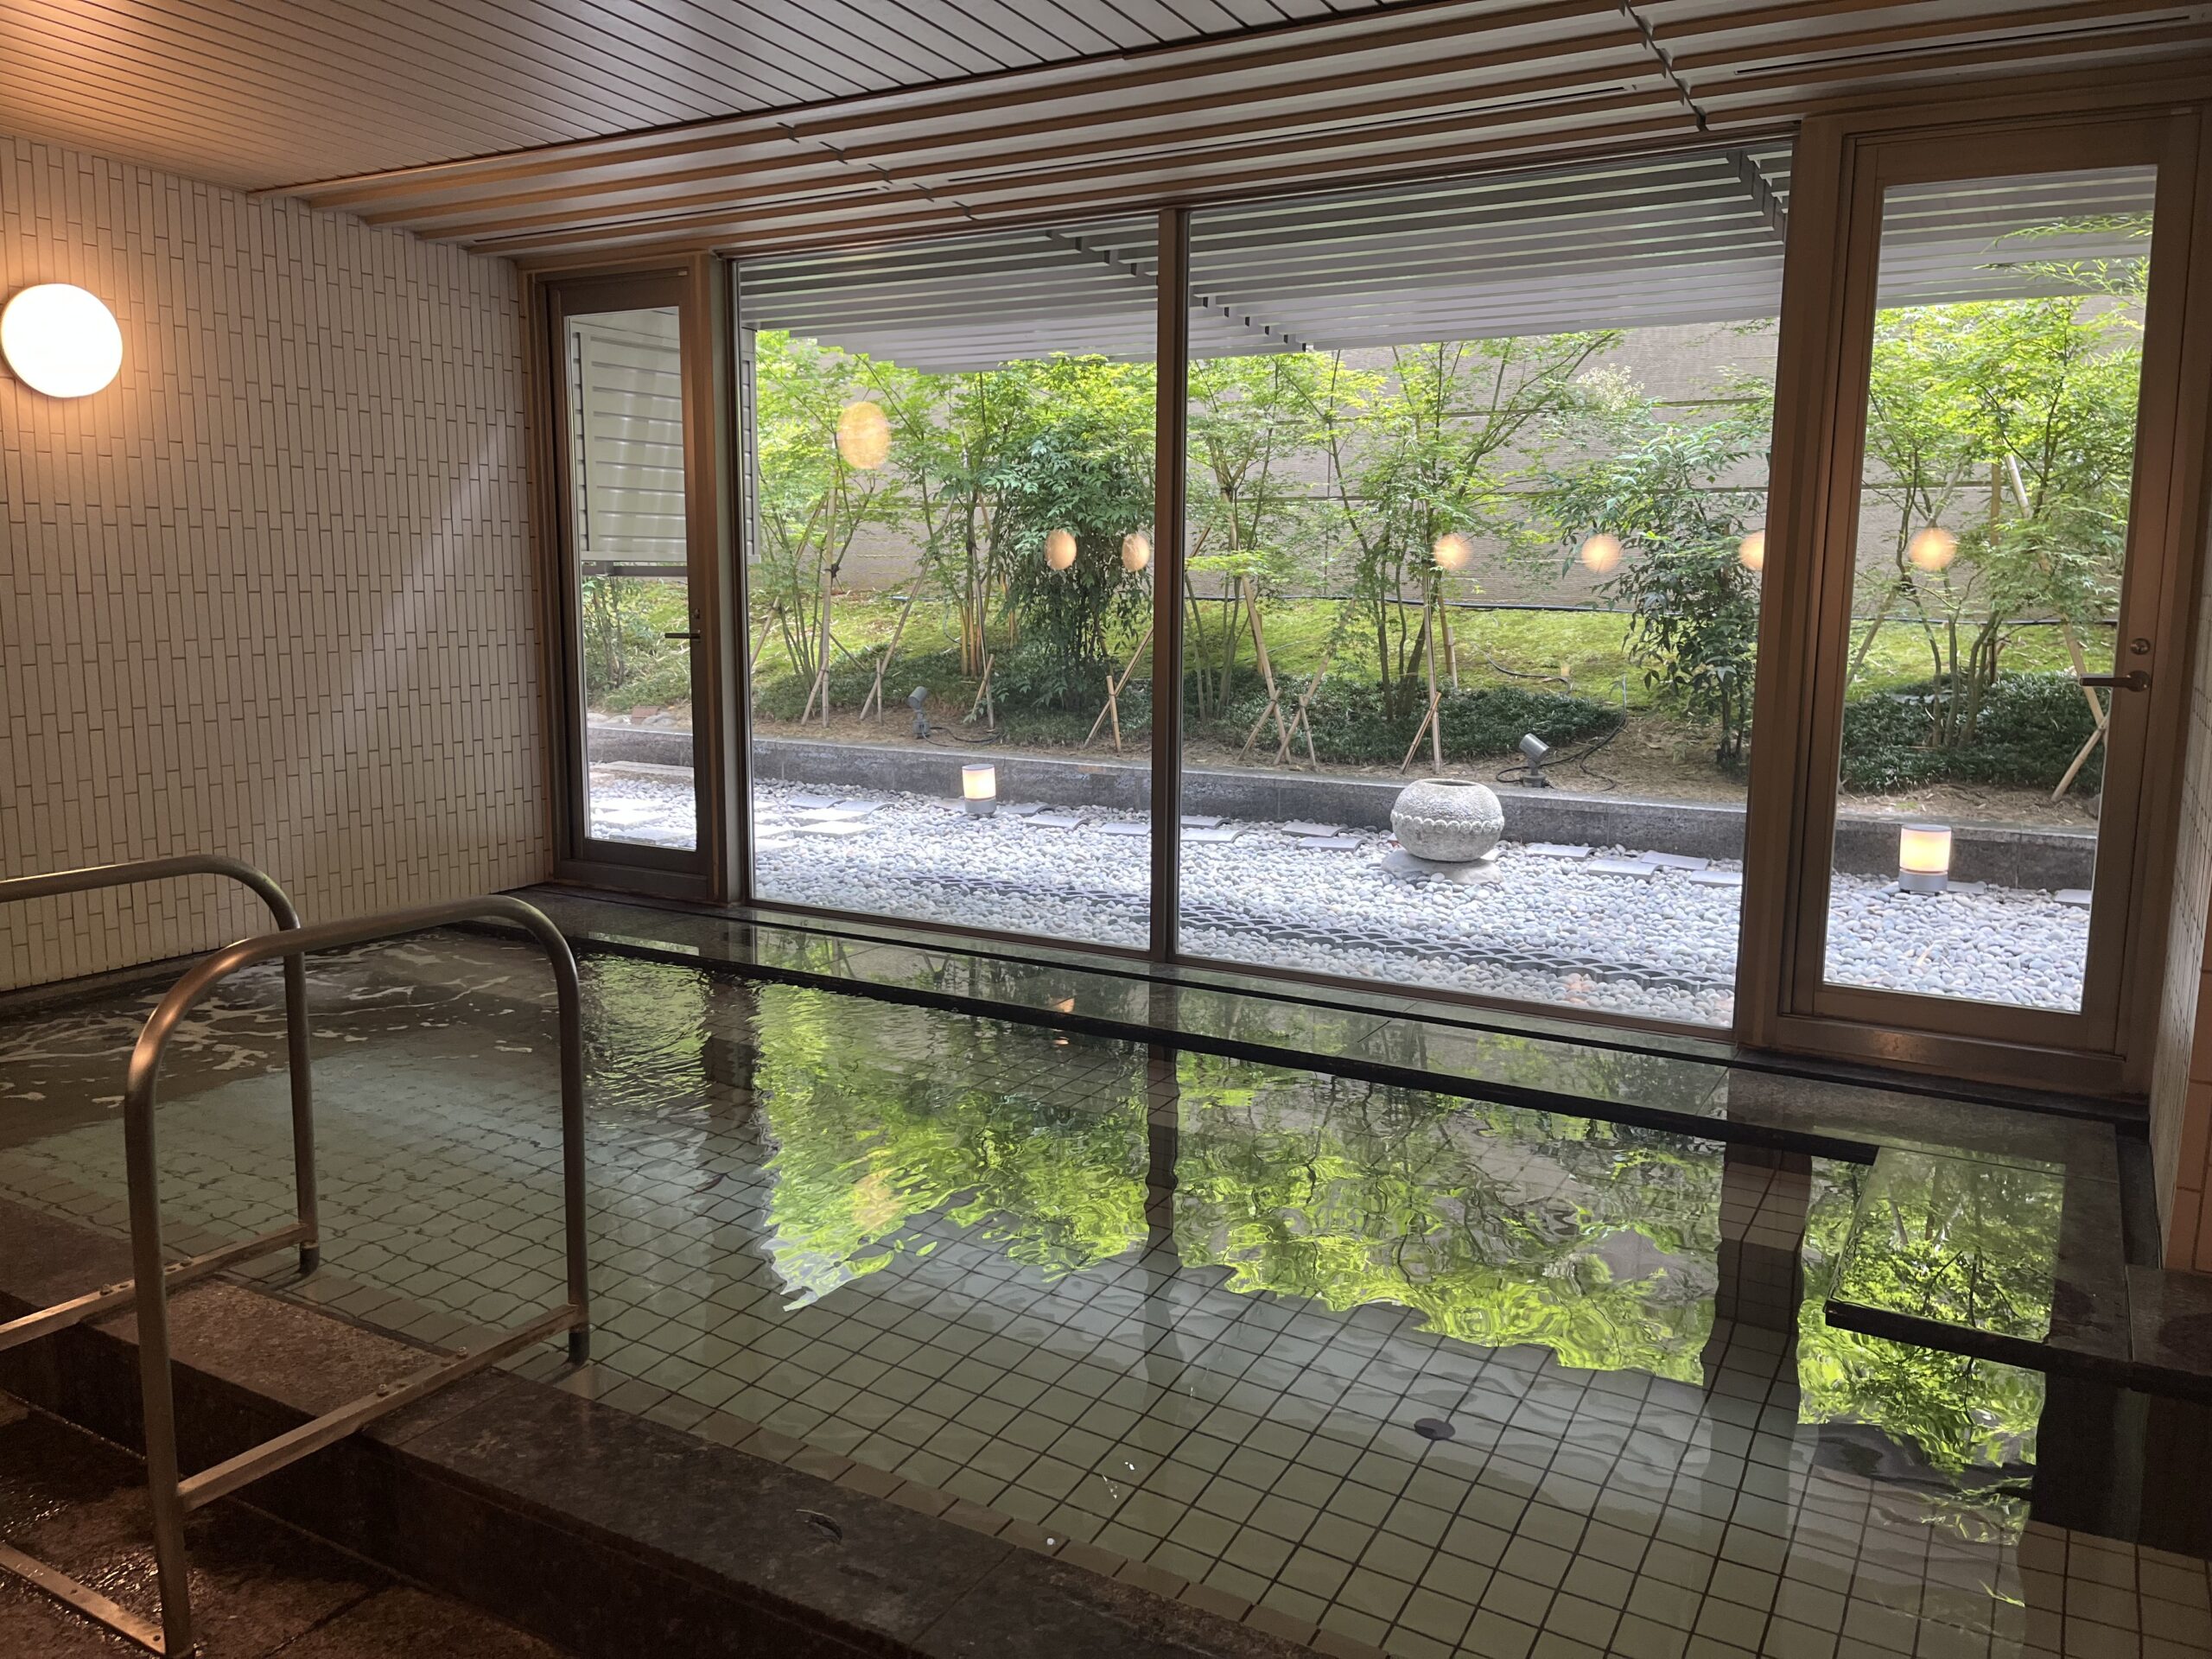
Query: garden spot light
x=1060, y=550
x=1932, y=549
x=1136, y=552
x=1751, y=552
x=1923, y=858
x=61, y=339
x=1601, y=554
x=1453, y=552
x=864, y=436
x=1535, y=752
x=979, y=790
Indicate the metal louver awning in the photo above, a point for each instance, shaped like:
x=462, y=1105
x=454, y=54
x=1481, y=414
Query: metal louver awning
x=1679, y=238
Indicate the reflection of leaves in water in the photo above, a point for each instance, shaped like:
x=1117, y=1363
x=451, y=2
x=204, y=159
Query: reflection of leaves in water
x=1958, y=1412
x=1493, y=1224
x=880, y=1117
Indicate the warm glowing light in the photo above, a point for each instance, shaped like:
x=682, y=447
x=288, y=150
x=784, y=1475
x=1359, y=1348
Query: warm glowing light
x=1136, y=552
x=1924, y=857
x=1601, y=554
x=864, y=436
x=1060, y=550
x=1932, y=549
x=61, y=341
x=979, y=790
x=1453, y=552
x=1751, y=552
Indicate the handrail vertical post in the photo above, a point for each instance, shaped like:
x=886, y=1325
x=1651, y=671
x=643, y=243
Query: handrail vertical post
x=156, y=1391
x=299, y=1064
x=572, y=1136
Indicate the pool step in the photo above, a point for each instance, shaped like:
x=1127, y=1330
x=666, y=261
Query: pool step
x=2017, y=1261
x=599, y=1531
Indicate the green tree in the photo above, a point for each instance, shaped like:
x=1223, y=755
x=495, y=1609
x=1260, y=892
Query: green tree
x=1086, y=468
x=1434, y=444
x=812, y=504
x=2009, y=423
x=1673, y=492
x=1252, y=520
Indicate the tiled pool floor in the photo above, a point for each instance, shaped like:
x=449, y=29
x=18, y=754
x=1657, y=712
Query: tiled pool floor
x=1372, y=1368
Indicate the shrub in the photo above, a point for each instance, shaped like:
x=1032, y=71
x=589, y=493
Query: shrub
x=2029, y=729
x=1349, y=724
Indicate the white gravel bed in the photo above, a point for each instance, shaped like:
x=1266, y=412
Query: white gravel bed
x=1546, y=929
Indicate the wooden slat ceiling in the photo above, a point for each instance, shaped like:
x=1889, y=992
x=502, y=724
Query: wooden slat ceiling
x=1412, y=90
x=258, y=92
x=1692, y=237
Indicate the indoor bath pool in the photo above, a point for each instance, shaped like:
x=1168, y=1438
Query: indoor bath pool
x=1364, y=1366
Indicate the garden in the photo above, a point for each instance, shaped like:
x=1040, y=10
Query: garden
x=1525, y=561
x=1571, y=554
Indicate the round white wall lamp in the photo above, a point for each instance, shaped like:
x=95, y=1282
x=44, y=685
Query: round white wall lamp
x=61, y=339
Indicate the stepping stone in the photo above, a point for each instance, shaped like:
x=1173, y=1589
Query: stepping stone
x=1207, y=834
x=1052, y=820
x=1634, y=869
x=1022, y=809
x=1329, y=844
x=2078, y=897
x=811, y=800
x=1299, y=827
x=1190, y=822
x=1675, y=860
x=772, y=843
x=834, y=814
x=1556, y=849
x=1717, y=877
x=832, y=827
x=1121, y=827
x=861, y=806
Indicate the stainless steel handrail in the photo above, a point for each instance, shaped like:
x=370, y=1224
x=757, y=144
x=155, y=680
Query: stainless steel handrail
x=304, y=1232
x=172, y=1496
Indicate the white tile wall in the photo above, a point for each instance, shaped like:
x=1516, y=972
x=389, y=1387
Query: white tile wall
x=270, y=593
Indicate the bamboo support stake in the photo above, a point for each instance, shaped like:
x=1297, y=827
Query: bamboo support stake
x=1431, y=725
x=1266, y=673
x=983, y=696
x=875, y=692
x=1113, y=689
x=1303, y=716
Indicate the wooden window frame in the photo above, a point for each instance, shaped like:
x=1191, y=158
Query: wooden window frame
x=1842, y=165
x=689, y=285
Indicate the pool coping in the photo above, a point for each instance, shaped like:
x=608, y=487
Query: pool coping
x=593, y=1527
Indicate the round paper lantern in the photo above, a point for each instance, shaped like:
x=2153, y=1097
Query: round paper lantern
x=1932, y=549
x=1453, y=552
x=1060, y=550
x=1751, y=552
x=1136, y=551
x=864, y=436
x=61, y=339
x=1601, y=554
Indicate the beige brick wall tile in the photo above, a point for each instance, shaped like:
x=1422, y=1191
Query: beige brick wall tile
x=270, y=593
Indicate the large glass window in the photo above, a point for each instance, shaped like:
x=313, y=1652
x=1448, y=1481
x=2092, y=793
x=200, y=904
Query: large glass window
x=948, y=579
x=1477, y=497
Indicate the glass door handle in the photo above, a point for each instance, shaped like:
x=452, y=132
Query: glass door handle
x=2138, y=681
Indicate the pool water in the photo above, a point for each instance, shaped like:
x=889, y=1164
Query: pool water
x=1360, y=1363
